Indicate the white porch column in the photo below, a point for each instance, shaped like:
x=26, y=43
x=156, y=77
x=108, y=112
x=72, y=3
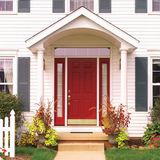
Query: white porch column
x=40, y=90
x=123, y=76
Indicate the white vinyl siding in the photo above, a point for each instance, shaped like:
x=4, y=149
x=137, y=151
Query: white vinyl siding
x=16, y=28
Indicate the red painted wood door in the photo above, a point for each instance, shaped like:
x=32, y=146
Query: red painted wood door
x=82, y=88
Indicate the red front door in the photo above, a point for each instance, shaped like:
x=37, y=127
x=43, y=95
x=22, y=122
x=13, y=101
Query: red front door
x=82, y=89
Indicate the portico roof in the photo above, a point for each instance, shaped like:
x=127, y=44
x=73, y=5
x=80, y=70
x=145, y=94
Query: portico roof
x=126, y=40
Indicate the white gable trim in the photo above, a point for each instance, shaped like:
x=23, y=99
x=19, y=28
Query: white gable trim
x=115, y=31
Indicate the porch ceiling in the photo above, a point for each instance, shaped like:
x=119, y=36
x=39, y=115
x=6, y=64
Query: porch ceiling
x=80, y=22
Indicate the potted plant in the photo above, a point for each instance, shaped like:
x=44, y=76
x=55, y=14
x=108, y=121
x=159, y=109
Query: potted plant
x=114, y=120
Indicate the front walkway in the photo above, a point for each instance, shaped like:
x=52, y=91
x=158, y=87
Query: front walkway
x=80, y=155
x=80, y=151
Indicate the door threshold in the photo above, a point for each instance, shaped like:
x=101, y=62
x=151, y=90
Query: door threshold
x=81, y=132
x=80, y=129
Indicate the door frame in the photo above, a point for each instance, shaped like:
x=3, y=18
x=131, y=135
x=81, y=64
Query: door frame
x=65, y=107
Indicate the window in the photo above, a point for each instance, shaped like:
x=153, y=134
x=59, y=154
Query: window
x=74, y=4
x=104, y=6
x=24, y=6
x=141, y=6
x=6, y=5
x=156, y=79
x=59, y=6
x=10, y=6
x=155, y=5
x=6, y=75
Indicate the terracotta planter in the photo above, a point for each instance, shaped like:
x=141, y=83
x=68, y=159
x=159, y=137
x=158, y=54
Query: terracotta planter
x=112, y=138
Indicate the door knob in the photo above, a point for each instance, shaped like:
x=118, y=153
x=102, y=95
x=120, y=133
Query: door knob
x=69, y=99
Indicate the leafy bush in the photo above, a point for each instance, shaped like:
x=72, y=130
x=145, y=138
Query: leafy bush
x=115, y=119
x=7, y=103
x=39, y=131
x=122, y=138
x=155, y=112
x=152, y=132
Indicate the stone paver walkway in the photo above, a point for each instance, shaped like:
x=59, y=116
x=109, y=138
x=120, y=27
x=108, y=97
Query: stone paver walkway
x=80, y=155
x=80, y=151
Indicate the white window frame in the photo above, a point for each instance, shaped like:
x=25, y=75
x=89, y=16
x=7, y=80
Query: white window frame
x=150, y=8
x=153, y=84
x=15, y=8
x=67, y=7
x=14, y=82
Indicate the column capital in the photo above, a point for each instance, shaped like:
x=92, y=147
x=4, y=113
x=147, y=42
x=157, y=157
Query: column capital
x=123, y=50
x=40, y=51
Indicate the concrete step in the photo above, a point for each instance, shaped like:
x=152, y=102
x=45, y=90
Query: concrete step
x=81, y=146
x=80, y=155
x=96, y=136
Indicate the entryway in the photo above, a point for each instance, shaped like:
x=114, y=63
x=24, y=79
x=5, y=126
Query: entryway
x=81, y=82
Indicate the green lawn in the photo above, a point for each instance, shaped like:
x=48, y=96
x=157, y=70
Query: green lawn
x=133, y=154
x=36, y=153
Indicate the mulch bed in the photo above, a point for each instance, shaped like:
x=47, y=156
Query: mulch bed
x=20, y=157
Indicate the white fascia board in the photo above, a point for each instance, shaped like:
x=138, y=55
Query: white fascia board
x=112, y=28
x=62, y=22
x=93, y=17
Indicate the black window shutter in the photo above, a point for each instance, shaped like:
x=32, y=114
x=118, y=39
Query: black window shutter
x=24, y=6
x=141, y=6
x=104, y=6
x=24, y=82
x=141, y=81
x=58, y=6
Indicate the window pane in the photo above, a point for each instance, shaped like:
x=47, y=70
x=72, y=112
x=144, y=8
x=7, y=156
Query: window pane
x=6, y=71
x=6, y=5
x=59, y=89
x=155, y=5
x=156, y=92
x=141, y=6
x=74, y=4
x=58, y=6
x=105, y=6
x=6, y=88
x=156, y=71
x=23, y=5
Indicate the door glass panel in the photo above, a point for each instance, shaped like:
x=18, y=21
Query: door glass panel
x=59, y=89
x=74, y=4
x=104, y=86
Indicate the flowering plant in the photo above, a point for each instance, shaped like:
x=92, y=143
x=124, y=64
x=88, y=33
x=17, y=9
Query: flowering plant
x=2, y=153
x=115, y=119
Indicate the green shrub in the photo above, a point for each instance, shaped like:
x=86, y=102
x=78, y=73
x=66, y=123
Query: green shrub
x=122, y=138
x=39, y=131
x=7, y=103
x=155, y=112
x=152, y=131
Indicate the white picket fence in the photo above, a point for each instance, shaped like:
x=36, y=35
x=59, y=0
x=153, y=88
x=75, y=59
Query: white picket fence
x=7, y=134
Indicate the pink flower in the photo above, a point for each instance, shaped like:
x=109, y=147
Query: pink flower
x=4, y=150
